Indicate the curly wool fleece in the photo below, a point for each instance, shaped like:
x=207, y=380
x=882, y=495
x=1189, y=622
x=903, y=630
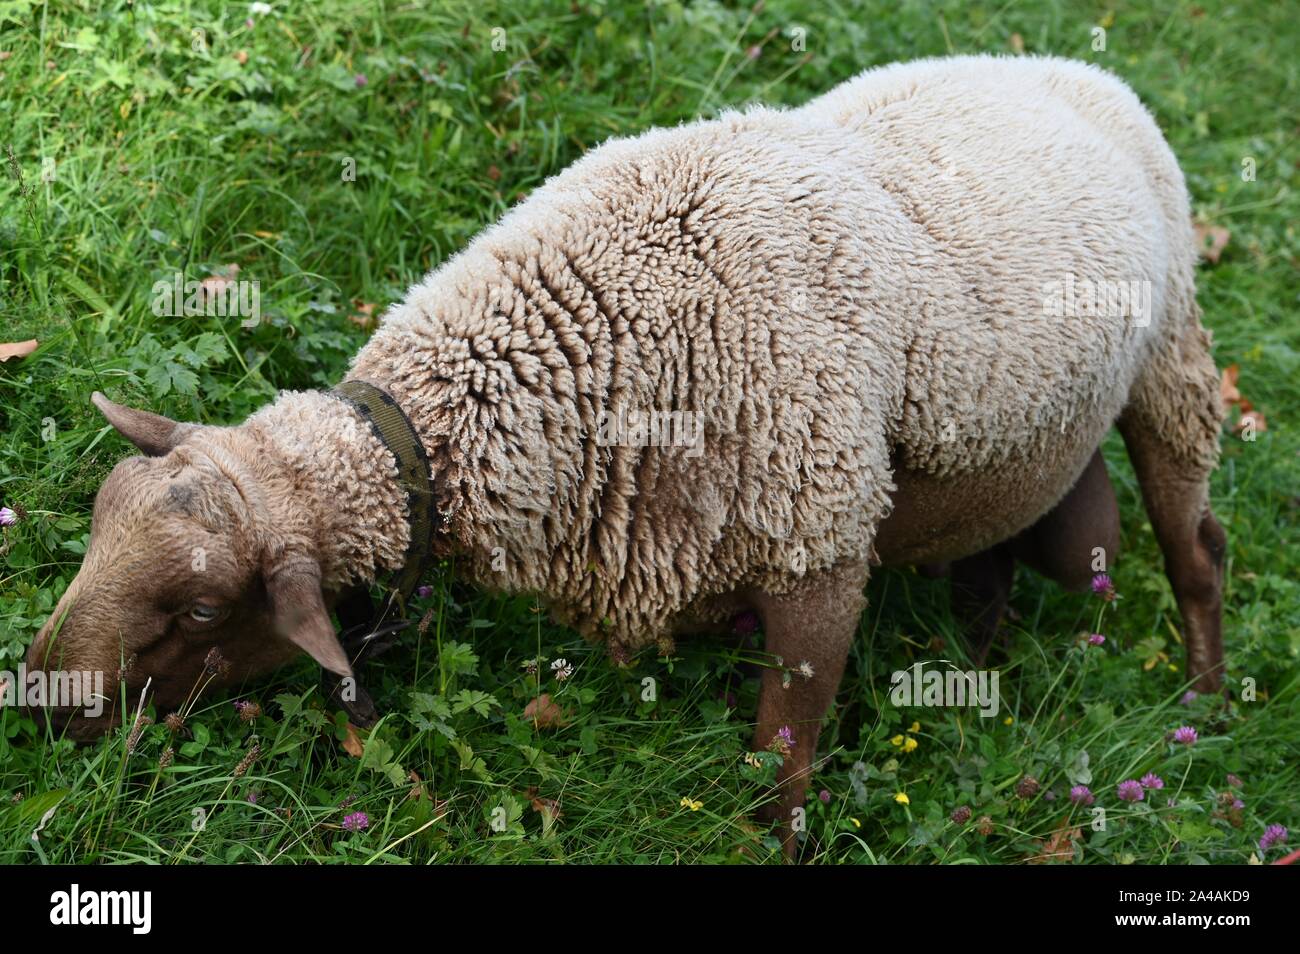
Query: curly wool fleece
x=841, y=292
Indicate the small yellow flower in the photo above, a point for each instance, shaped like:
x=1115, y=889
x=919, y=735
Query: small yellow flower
x=914, y=727
x=1173, y=668
x=902, y=799
x=896, y=740
x=1008, y=720
x=856, y=823
x=909, y=744
x=693, y=806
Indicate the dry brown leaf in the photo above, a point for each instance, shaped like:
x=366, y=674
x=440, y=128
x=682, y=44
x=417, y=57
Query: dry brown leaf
x=1017, y=43
x=1211, y=240
x=17, y=349
x=1250, y=418
x=1059, y=846
x=1228, y=387
x=546, y=806
x=364, y=315
x=1232, y=397
x=352, y=743
x=544, y=712
x=214, y=286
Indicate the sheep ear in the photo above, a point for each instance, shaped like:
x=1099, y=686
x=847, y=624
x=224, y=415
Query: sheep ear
x=152, y=433
x=300, y=615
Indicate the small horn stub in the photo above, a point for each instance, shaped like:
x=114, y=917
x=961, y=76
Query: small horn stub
x=154, y=434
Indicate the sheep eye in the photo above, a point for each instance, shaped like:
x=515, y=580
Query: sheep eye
x=202, y=613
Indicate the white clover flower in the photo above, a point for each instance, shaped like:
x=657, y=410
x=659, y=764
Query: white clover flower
x=562, y=669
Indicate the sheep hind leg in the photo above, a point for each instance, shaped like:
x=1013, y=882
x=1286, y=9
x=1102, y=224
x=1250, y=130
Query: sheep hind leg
x=1072, y=541
x=1171, y=430
x=1077, y=538
x=813, y=624
x=981, y=587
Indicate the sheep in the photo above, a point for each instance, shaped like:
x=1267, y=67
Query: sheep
x=889, y=311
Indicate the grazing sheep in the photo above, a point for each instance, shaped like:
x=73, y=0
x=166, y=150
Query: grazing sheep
x=886, y=311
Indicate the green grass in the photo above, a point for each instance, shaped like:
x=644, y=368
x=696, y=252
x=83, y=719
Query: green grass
x=170, y=154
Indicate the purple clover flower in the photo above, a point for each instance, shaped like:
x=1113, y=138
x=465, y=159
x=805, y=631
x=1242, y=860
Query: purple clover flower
x=1096, y=639
x=1103, y=586
x=1151, y=781
x=1082, y=795
x=357, y=821
x=1130, y=791
x=1273, y=835
x=1185, y=735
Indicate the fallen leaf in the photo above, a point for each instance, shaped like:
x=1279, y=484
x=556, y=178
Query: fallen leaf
x=1250, y=418
x=543, y=805
x=18, y=349
x=1232, y=397
x=214, y=286
x=352, y=743
x=417, y=790
x=493, y=173
x=1210, y=240
x=364, y=316
x=1017, y=43
x=1059, y=846
x=1228, y=387
x=544, y=713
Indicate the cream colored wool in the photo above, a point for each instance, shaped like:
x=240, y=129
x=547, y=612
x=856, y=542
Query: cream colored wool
x=844, y=292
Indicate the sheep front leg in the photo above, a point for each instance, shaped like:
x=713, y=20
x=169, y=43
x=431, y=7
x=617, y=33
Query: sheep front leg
x=814, y=625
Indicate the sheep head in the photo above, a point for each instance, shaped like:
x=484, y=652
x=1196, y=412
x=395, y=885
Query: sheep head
x=200, y=545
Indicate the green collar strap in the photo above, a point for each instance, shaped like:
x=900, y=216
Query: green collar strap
x=394, y=430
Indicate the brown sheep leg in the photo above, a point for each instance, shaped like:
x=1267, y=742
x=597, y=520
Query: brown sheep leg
x=1063, y=545
x=981, y=586
x=1177, y=499
x=814, y=624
